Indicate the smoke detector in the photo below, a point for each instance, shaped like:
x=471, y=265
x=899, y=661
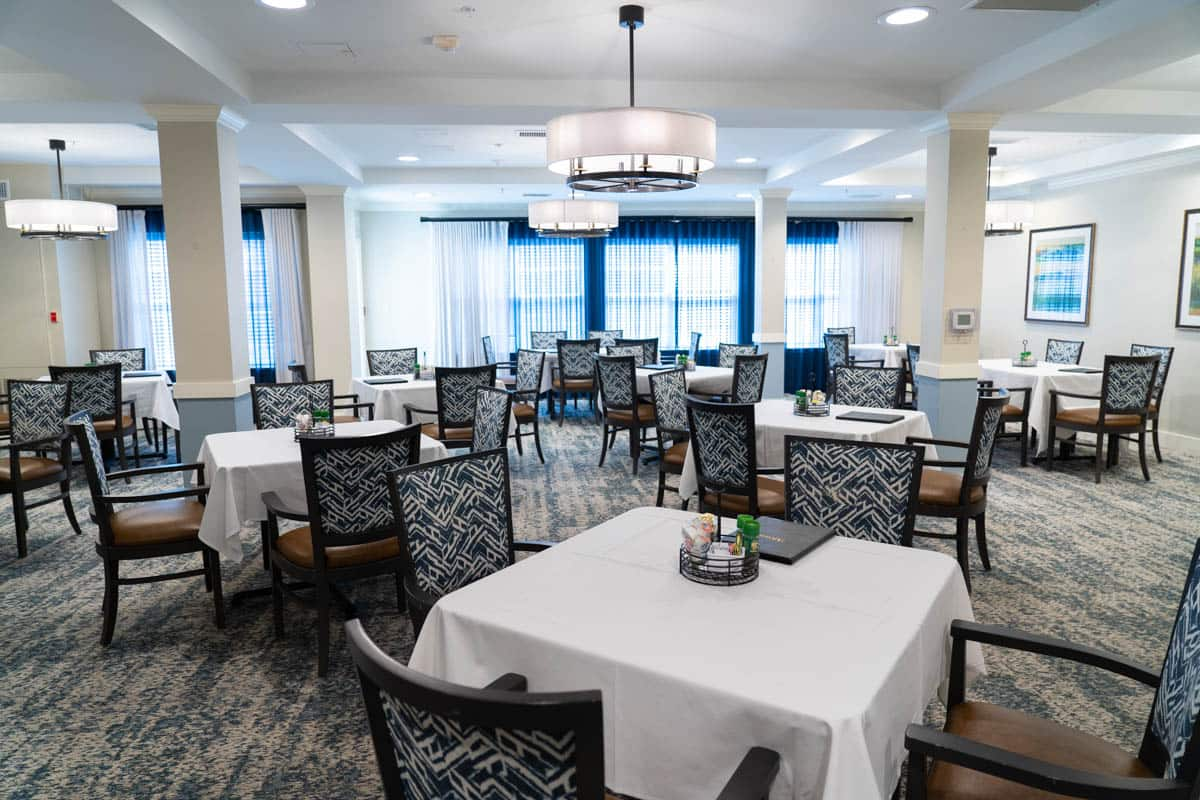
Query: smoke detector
x=446, y=42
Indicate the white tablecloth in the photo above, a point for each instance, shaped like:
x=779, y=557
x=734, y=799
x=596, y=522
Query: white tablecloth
x=701, y=380
x=773, y=420
x=825, y=661
x=152, y=398
x=241, y=466
x=890, y=354
x=389, y=398
x=1041, y=379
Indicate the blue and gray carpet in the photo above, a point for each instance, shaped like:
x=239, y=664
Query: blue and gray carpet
x=176, y=708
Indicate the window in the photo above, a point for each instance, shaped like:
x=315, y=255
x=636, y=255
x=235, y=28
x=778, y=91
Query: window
x=260, y=328
x=812, y=283
x=161, y=331
x=546, y=284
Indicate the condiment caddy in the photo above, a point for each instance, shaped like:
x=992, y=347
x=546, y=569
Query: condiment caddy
x=312, y=424
x=810, y=403
x=705, y=556
x=1025, y=359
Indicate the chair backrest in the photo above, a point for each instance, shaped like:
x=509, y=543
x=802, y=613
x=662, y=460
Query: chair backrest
x=649, y=348
x=346, y=484
x=837, y=350
x=726, y=353
x=848, y=331
x=401, y=361
x=1128, y=384
x=668, y=389
x=861, y=490
x=130, y=358
x=1063, y=351
x=36, y=411
x=914, y=358
x=576, y=358
x=456, y=393
x=545, y=340
x=871, y=387
x=982, y=444
x=489, y=351
x=276, y=405
x=530, y=367
x=723, y=443
x=96, y=390
x=618, y=382
x=636, y=351
x=607, y=338
x=435, y=739
x=1165, y=354
x=492, y=409
x=694, y=346
x=455, y=520
x=299, y=373
x=84, y=433
x=749, y=374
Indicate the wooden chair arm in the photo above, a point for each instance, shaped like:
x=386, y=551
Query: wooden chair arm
x=509, y=682
x=173, y=494
x=531, y=546
x=196, y=467
x=753, y=777
x=938, y=442
x=275, y=506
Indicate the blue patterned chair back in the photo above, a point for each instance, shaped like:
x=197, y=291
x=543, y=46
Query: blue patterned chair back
x=837, y=350
x=607, y=338
x=723, y=442
x=576, y=358
x=861, y=490
x=545, y=340
x=96, y=390
x=436, y=740
x=869, y=387
x=749, y=374
x=489, y=351
x=1063, y=351
x=456, y=393
x=346, y=483
x=694, y=346
x=298, y=372
x=456, y=520
x=989, y=411
x=914, y=358
x=1165, y=354
x=847, y=331
x=1128, y=384
x=531, y=365
x=636, y=351
x=277, y=404
x=84, y=433
x=490, y=429
x=131, y=359
x=649, y=348
x=402, y=361
x=618, y=381
x=726, y=353
x=37, y=410
x=668, y=389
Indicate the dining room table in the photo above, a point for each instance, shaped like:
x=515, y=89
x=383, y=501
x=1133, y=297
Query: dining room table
x=390, y=393
x=892, y=355
x=241, y=466
x=1042, y=378
x=774, y=419
x=824, y=661
x=151, y=392
x=700, y=379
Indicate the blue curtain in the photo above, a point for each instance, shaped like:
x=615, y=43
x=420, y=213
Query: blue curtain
x=547, y=281
x=160, y=291
x=811, y=286
x=260, y=330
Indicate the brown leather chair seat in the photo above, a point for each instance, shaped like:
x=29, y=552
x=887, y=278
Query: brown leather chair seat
x=676, y=454
x=525, y=412
x=296, y=546
x=31, y=468
x=345, y=419
x=1010, y=410
x=574, y=384
x=109, y=425
x=941, y=488
x=430, y=429
x=645, y=414
x=1029, y=736
x=1091, y=416
x=770, y=499
x=157, y=523
x=4, y=419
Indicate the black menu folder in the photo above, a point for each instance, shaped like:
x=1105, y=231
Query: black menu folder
x=141, y=373
x=381, y=381
x=867, y=416
x=787, y=542
x=1082, y=370
x=659, y=366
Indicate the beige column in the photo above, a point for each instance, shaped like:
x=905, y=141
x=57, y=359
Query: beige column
x=770, y=253
x=202, y=215
x=952, y=277
x=335, y=285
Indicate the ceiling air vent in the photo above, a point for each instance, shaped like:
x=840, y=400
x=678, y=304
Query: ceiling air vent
x=5, y=192
x=536, y=194
x=1029, y=5
x=531, y=133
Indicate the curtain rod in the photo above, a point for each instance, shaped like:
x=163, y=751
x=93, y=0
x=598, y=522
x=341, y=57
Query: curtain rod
x=680, y=217
x=244, y=206
x=850, y=219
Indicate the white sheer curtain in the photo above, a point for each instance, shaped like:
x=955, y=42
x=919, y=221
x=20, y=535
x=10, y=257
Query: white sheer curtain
x=869, y=255
x=470, y=268
x=131, y=284
x=285, y=278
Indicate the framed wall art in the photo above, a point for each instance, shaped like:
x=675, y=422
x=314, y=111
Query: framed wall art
x=1187, y=308
x=1058, y=276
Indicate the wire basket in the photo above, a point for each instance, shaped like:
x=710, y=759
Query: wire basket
x=1016, y=362
x=319, y=430
x=717, y=572
x=818, y=410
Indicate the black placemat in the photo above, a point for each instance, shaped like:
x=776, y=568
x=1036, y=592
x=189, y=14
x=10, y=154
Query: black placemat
x=141, y=373
x=867, y=416
x=382, y=381
x=1082, y=370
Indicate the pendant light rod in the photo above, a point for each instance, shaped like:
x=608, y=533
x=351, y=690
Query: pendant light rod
x=58, y=145
x=991, y=154
x=631, y=17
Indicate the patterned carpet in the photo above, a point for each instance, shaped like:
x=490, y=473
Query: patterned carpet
x=175, y=708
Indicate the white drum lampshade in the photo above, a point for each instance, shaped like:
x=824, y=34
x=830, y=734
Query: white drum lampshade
x=61, y=219
x=573, y=218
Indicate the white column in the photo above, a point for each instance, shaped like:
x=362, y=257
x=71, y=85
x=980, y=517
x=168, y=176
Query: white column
x=202, y=215
x=335, y=286
x=955, y=203
x=770, y=252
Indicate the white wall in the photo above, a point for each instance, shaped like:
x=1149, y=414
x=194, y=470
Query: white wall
x=397, y=270
x=79, y=298
x=1139, y=224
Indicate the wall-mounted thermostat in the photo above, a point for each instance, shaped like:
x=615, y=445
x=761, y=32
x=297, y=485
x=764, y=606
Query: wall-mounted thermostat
x=962, y=320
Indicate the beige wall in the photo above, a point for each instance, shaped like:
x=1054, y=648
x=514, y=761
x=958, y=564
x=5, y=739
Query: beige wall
x=79, y=298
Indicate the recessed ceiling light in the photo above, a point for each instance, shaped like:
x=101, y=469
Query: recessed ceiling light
x=745, y=160
x=744, y=196
x=905, y=15
x=287, y=5
x=408, y=159
x=423, y=195
x=904, y=197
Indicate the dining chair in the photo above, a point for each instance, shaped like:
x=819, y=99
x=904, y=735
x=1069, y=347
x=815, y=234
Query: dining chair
x=489, y=357
x=1017, y=414
x=963, y=496
x=455, y=412
x=1165, y=355
x=575, y=373
x=649, y=348
x=990, y=751
x=726, y=456
x=837, y=354
x=545, y=340
x=162, y=524
x=634, y=351
x=913, y=357
x=694, y=346
x=607, y=338
x=726, y=353
x=4, y=414
x=749, y=375
x=868, y=387
x=624, y=409
x=275, y=405
x=847, y=331
x=131, y=359
x=668, y=392
x=1124, y=409
x=400, y=361
x=435, y=739
x=97, y=390
x=860, y=490
x=527, y=395
x=351, y=531
x=456, y=527
x=299, y=374
x=492, y=409
x=1063, y=351
x=38, y=411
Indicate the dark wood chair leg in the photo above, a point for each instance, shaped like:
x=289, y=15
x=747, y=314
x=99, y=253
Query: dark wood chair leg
x=68, y=506
x=207, y=571
x=214, y=561
x=915, y=780
x=517, y=436
x=146, y=425
x=401, y=603
x=322, y=628
x=1050, y=442
x=110, y=600
x=266, y=544
x=277, y=600
x=603, y=444
x=964, y=552
x=635, y=446
x=1142, y=454
x=662, y=486
x=1099, y=461
x=21, y=518
x=178, y=457
x=1025, y=443
x=1154, y=434
x=537, y=441
x=562, y=407
x=121, y=454
x=981, y=542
